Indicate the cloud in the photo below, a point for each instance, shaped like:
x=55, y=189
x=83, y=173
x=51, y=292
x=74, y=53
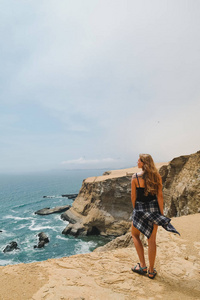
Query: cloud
x=93, y=78
x=82, y=160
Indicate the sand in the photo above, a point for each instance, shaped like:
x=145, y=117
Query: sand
x=108, y=275
x=121, y=172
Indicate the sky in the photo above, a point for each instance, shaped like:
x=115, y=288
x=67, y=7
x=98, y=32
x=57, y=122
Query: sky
x=91, y=84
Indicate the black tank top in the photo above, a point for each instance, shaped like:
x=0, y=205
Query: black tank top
x=140, y=194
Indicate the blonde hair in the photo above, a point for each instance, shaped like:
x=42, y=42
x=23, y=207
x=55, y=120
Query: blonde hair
x=151, y=175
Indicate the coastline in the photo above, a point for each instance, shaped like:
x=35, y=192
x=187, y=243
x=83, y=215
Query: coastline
x=21, y=197
x=107, y=275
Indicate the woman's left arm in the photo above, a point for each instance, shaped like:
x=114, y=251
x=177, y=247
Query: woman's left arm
x=160, y=196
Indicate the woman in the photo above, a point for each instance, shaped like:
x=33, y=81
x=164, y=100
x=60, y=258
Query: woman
x=147, y=200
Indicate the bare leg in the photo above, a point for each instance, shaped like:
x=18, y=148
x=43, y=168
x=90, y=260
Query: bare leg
x=152, y=248
x=138, y=245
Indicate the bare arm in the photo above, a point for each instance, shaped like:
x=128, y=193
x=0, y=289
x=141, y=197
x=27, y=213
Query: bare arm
x=133, y=192
x=160, y=196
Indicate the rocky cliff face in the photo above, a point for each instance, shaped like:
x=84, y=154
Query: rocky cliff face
x=181, y=185
x=103, y=205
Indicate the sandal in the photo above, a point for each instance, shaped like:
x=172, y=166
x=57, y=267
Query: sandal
x=140, y=271
x=153, y=275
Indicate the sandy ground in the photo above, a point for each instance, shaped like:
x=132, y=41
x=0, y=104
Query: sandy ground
x=121, y=172
x=107, y=275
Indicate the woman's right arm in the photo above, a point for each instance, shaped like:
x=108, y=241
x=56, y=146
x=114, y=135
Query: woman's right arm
x=160, y=196
x=133, y=191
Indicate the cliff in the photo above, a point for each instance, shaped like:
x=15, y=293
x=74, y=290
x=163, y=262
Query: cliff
x=107, y=275
x=103, y=205
x=181, y=185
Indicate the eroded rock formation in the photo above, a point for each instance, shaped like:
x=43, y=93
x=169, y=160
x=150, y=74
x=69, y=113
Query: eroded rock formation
x=48, y=210
x=181, y=185
x=11, y=246
x=103, y=205
x=43, y=239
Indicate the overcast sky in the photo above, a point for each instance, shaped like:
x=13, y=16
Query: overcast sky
x=91, y=84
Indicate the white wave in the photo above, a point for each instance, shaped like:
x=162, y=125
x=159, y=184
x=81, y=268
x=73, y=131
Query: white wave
x=21, y=226
x=39, y=227
x=6, y=234
x=33, y=214
x=84, y=247
x=61, y=237
x=34, y=227
x=32, y=224
x=58, y=218
x=4, y=262
x=53, y=196
x=16, y=218
x=29, y=243
x=11, y=253
x=57, y=228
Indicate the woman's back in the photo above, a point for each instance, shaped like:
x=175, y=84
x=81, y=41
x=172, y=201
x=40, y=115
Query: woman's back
x=140, y=190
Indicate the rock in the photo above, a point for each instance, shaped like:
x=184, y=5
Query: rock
x=181, y=185
x=107, y=275
x=103, y=205
x=43, y=239
x=75, y=230
x=11, y=246
x=70, y=217
x=106, y=173
x=70, y=196
x=124, y=241
x=1, y=231
x=41, y=244
x=48, y=211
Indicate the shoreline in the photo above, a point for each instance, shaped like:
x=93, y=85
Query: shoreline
x=107, y=275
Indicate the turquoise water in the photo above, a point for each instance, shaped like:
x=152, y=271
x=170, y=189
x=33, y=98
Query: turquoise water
x=21, y=196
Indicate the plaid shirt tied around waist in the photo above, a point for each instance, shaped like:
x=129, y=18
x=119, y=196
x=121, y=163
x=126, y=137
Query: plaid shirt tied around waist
x=146, y=214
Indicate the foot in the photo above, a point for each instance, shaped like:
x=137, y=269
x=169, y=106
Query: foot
x=140, y=270
x=153, y=274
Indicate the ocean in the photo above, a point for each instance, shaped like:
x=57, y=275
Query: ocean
x=20, y=196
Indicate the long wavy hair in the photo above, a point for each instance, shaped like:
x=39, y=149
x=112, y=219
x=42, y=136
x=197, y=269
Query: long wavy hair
x=151, y=176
